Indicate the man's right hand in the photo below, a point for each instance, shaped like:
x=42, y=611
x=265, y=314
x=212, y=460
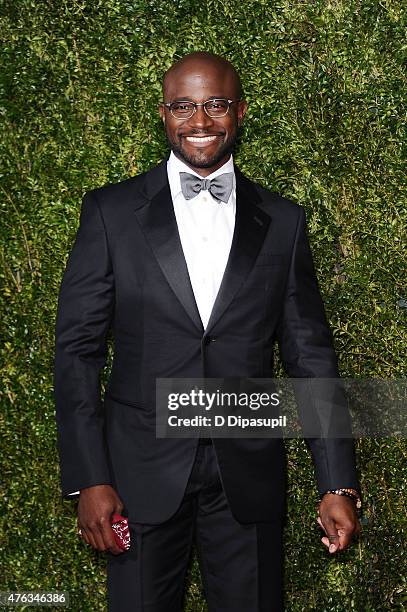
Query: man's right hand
x=96, y=506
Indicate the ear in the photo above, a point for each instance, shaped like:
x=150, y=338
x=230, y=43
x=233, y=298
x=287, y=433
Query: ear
x=161, y=110
x=241, y=111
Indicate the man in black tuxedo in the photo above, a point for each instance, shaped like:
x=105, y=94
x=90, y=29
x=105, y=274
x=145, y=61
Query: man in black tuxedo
x=197, y=271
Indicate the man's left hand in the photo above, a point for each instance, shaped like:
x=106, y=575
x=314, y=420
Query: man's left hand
x=338, y=518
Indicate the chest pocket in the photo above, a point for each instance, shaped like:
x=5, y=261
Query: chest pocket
x=268, y=274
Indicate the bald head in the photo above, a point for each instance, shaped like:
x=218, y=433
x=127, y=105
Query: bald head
x=200, y=63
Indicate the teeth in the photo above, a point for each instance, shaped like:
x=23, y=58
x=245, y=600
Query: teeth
x=200, y=138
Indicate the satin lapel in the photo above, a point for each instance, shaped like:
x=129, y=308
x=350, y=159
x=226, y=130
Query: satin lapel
x=157, y=220
x=251, y=226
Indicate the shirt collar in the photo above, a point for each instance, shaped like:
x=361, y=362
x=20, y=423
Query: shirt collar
x=175, y=166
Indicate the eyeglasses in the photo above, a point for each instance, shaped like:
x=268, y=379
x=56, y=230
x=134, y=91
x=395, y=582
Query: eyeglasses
x=184, y=109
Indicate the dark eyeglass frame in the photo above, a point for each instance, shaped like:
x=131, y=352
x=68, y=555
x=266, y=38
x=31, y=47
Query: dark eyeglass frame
x=195, y=105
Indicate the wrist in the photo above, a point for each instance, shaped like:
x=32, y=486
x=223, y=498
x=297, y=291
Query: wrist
x=352, y=494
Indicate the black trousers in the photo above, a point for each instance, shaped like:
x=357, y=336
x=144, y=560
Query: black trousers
x=241, y=565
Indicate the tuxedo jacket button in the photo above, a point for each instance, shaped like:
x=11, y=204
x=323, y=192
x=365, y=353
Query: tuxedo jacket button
x=208, y=339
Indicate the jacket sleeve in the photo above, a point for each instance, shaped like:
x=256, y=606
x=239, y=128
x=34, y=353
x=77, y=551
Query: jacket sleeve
x=85, y=307
x=307, y=351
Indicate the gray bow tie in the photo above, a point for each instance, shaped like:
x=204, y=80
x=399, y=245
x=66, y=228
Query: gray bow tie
x=219, y=187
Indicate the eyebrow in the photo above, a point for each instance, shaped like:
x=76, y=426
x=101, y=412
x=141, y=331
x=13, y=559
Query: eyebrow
x=187, y=99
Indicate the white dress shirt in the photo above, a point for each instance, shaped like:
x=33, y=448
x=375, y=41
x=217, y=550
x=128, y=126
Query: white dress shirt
x=205, y=227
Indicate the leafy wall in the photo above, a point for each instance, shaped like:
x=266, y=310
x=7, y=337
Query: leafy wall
x=80, y=83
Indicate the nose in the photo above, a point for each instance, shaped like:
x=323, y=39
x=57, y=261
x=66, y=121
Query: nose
x=200, y=119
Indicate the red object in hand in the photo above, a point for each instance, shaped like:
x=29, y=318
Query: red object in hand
x=120, y=526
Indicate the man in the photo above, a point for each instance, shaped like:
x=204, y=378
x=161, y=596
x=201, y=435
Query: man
x=194, y=278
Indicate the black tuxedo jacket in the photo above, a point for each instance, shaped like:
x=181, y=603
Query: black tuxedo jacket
x=127, y=273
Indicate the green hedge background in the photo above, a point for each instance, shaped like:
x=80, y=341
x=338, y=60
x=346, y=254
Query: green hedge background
x=80, y=83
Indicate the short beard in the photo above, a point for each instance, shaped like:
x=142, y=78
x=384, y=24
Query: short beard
x=200, y=159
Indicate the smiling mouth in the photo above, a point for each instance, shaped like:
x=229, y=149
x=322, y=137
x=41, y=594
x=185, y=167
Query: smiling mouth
x=200, y=139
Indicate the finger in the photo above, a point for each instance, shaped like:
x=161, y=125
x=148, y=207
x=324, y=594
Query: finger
x=83, y=536
x=98, y=533
x=331, y=540
x=345, y=535
x=320, y=523
x=108, y=538
x=119, y=508
x=104, y=537
x=324, y=540
x=95, y=539
x=87, y=537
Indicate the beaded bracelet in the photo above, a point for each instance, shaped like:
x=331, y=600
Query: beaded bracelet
x=352, y=493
